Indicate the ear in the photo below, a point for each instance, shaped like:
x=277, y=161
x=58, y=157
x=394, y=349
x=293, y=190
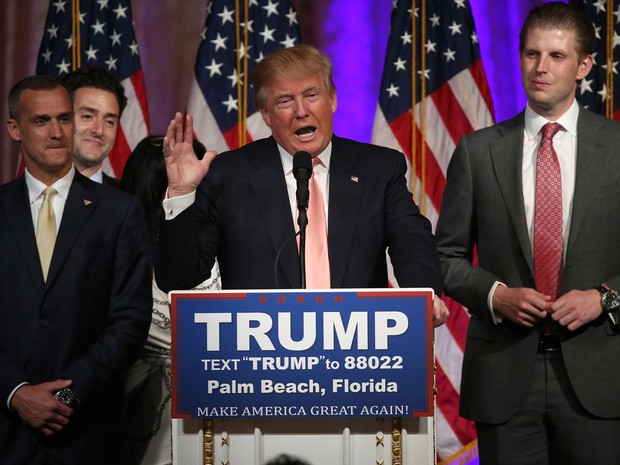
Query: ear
x=13, y=129
x=334, y=102
x=584, y=67
x=265, y=114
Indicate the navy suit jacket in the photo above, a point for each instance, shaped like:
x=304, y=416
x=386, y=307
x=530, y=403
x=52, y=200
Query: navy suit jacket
x=242, y=215
x=110, y=181
x=87, y=323
x=483, y=207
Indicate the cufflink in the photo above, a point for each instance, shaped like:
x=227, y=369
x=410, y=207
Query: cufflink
x=67, y=397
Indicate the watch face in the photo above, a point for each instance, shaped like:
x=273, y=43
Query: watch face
x=611, y=300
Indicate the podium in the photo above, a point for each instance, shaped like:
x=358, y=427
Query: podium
x=327, y=376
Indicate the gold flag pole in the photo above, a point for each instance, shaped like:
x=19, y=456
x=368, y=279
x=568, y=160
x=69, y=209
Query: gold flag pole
x=75, y=35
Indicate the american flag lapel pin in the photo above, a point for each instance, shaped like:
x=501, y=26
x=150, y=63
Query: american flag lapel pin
x=354, y=178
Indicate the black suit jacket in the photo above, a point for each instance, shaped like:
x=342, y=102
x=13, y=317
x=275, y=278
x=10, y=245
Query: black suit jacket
x=110, y=181
x=242, y=215
x=483, y=207
x=87, y=323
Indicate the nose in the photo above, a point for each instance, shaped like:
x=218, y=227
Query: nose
x=300, y=108
x=97, y=127
x=55, y=129
x=541, y=65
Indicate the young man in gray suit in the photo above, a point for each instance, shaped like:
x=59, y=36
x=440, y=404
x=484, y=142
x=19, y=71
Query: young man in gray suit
x=542, y=211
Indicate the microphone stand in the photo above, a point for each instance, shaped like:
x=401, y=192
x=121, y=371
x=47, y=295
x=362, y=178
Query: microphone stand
x=302, y=221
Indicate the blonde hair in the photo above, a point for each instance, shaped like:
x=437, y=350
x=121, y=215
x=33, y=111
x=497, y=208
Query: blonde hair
x=298, y=61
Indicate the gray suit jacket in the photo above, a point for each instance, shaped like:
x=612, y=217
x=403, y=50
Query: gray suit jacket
x=483, y=210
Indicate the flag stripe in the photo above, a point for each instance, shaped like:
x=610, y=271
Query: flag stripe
x=451, y=112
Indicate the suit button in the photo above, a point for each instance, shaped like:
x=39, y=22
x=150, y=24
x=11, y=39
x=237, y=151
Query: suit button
x=45, y=323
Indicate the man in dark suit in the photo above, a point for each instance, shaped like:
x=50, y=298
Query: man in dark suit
x=98, y=103
x=542, y=357
x=243, y=211
x=76, y=318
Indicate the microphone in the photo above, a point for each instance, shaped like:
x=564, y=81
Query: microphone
x=302, y=170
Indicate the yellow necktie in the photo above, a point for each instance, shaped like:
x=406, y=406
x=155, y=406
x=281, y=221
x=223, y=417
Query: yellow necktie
x=46, y=230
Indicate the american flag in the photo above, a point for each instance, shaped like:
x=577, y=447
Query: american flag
x=599, y=91
x=99, y=33
x=452, y=98
x=236, y=36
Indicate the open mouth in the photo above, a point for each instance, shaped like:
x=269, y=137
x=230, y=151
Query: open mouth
x=306, y=132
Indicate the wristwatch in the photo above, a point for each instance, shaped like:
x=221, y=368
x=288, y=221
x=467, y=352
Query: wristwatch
x=67, y=397
x=610, y=299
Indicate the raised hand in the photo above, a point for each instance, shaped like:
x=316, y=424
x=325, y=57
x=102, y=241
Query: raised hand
x=184, y=169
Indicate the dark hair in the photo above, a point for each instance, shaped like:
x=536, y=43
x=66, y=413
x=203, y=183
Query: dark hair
x=284, y=459
x=36, y=82
x=301, y=60
x=97, y=78
x=559, y=15
x=145, y=176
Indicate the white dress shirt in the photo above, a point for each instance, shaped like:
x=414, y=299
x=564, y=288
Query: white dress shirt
x=565, y=145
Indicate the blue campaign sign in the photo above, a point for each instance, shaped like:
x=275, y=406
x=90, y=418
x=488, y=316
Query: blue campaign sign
x=302, y=353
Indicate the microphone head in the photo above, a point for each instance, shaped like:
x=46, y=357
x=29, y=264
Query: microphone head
x=302, y=165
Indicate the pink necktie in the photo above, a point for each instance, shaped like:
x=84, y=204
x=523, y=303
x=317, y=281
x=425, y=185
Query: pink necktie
x=317, y=258
x=548, y=240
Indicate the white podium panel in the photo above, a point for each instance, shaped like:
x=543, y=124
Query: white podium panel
x=318, y=441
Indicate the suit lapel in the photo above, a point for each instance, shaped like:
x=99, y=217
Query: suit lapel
x=81, y=203
x=507, y=156
x=19, y=218
x=591, y=146
x=271, y=196
x=345, y=193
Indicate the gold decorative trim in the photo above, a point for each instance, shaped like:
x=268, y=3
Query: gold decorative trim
x=397, y=447
x=208, y=442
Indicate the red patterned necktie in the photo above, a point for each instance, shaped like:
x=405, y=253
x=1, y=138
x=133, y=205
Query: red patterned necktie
x=548, y=237
x=317, y=258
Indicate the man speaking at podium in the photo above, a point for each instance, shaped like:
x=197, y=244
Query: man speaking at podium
x=242, y=206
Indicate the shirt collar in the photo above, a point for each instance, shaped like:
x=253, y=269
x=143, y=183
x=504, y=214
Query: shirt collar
x=36, y=187
x=534, y=122
x=98, y=175
x=287, y=159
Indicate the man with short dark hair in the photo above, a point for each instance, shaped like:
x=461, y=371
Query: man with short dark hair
x=537, y=197
x=98, y=103
x=75, y=294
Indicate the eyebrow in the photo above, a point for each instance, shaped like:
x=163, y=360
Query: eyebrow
x=94, y=110
x=47, y=116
